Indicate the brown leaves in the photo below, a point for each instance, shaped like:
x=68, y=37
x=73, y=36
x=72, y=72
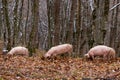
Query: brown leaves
x=34, y=68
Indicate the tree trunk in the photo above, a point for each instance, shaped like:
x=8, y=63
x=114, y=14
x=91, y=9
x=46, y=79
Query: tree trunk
x=5, y=12
x=26, y=24
x=35, y=15
x=50, y=22
x=57, y=22
x=78, y=28
x=20, y=37
x=70, y=27
x=15, y=31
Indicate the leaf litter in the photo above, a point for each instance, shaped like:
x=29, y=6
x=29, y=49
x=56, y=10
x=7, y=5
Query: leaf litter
x=34, y=68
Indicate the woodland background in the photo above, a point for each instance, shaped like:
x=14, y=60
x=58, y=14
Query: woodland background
x=41, y=24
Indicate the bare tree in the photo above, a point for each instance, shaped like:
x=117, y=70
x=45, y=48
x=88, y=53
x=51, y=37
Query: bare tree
x=33, y=33
x=8, y=33
x=57, y=22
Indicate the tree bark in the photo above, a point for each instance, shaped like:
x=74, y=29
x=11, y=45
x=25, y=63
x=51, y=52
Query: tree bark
x=57, y=22
x=5, y=12
x=78, y=29
x=16, y=30
x=32, y=37
x=70, y=27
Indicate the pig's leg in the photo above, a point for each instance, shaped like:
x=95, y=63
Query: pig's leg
x=105, y=57
x=108, y=57
x=112, y=56
x=70, y=53
x=92, y=56
x=112, y=53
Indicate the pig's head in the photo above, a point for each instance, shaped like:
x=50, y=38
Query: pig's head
x=87, y=56
x=9, y=53
x=47, y=55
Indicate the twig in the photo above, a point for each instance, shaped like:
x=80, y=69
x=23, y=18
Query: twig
x=114, y=6
x=114, y=74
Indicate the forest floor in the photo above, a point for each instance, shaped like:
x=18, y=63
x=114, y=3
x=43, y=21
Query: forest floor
x=35, y=68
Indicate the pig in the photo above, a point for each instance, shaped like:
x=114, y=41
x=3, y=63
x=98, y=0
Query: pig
x=59, y=49
x=101, y=50
x=19, y=51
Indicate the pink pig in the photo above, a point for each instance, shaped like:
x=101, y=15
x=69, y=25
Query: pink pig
x=101, y=50
x=19, y=51
x=60, y=49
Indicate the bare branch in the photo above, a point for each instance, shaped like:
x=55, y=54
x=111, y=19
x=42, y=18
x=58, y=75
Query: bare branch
x=114, y=74
x=114, y=6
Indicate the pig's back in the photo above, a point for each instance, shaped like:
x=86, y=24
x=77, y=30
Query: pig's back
x=64, y=47
x=100, y=49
